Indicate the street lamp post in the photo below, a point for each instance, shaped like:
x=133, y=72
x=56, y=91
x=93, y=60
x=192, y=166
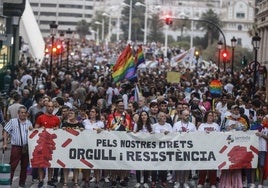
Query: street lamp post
x=102, y=30
x=15, y=46
x=129, y=19
x=109, y=25
x=61, y=40
x=256, y=45
x=98, y=38
x=196, y=65
x=233, y=44
x=219, y=54
x=53, y=30
x=68, y=36
x=145, y=20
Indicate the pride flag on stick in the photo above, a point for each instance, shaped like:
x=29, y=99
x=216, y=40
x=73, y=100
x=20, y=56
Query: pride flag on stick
x=139, y=57
x=124, y=67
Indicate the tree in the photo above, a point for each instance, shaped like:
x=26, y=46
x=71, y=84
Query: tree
x=211, y=53
x=137, y=20
x=156, y=33
x=82, y=28
x=212, y=33
x=100, y=18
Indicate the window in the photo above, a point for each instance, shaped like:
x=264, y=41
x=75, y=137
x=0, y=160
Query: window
x=239, y=27
x=47, y=14
x=70, y=15
x=239, y=42
x=240, y=15
x=48, y=5
x=70, y=6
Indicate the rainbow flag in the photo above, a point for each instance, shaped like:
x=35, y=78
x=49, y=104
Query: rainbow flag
x=124, y=67
x=215, y=88
x=139, y=57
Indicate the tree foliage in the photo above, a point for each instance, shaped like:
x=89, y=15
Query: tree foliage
x=156, y=33
x=209, y=23
x=82, y=28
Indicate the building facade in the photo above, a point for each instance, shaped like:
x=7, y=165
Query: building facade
x=66, y=13
x=262, y=25
x=237, y=15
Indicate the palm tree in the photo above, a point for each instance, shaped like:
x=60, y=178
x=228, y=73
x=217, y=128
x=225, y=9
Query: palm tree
x=210, y=20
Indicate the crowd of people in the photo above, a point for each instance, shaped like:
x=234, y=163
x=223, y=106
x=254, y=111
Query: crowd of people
x=84, y=96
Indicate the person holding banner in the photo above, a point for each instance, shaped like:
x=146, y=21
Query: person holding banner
x=161, y=127
x=119, y=120
x=261, y=125
x=208, y=126
x=93, y=123
x=234, y=122
x=184, y=125
x=71, y=123
x=143, y=125
x=47, y=120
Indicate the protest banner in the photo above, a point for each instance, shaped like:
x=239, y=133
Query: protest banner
x=142, y=151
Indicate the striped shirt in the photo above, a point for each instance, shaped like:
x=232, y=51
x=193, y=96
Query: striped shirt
x=12, y=128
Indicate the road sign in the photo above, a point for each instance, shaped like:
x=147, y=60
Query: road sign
x=252, y=65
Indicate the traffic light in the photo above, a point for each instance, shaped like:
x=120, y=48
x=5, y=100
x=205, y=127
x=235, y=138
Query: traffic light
x=224, y=54
x=244, y=61
x=54, y=49
x=196, y=53
x=59, y=49
x=168, y=20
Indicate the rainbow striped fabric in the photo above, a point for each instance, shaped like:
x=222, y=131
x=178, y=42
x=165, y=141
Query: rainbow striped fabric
x=124, y=67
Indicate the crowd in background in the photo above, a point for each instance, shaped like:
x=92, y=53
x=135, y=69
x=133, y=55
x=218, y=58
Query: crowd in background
x=84, y=93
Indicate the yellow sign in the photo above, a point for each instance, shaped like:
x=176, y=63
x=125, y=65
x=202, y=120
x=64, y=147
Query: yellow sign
x=173, y=77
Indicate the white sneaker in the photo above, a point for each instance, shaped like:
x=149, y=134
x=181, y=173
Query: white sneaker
x=185, y=185
x=213, y=186
x=252, y=185
x=142, y=179
x=137, y=185
x=92, y=180
x=199, y=186
x=176, y=185
x=145, y=185
x=169, y=177
x=106, y=180
x=260, y=186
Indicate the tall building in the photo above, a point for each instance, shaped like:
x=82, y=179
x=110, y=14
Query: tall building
x=66, y=13
x=262, y=25
x=237, y=15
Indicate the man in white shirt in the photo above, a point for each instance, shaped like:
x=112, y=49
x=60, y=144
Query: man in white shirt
x=184, y=125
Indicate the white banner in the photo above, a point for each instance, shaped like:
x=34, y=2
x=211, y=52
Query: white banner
x=142, y=151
